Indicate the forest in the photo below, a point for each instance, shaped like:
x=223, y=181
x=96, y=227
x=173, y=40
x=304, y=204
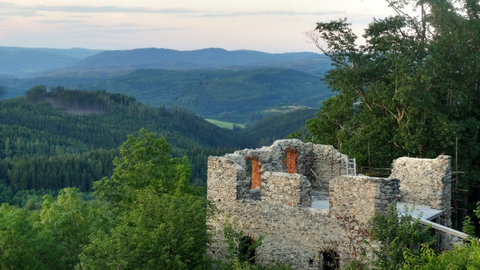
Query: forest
x=56, y=138
x=236, y=95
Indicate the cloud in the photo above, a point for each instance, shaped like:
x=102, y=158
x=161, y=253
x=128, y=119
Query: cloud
x=272, y=13
x=110, y=9
x=8, y=9
x=60, y=21
x=33, y=9
x=15, y=9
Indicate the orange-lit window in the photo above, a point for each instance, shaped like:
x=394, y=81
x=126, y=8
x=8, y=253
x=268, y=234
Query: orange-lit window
x=256, y=174
x=291, y=162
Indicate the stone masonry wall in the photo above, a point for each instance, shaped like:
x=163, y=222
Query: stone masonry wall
x=329, y=163
x=293, y=232
x=279, y=209
x=360, y=197
x=319, y=163
x=425, y=182
x=287, y=189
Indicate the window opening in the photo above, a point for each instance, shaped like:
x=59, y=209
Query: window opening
x=255, y=166
x=291, y=162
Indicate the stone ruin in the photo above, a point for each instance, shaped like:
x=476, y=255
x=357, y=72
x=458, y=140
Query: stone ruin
x=310, y=206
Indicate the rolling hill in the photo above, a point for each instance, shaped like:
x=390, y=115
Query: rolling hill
x=31, y=62
x=60, y=138
x=28, y=62
x=275, y=127
x=153, y=58
x=236, y=95
x=51, y=128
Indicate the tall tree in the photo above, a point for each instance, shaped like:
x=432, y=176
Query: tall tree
x=410, y=89
x=160, y=220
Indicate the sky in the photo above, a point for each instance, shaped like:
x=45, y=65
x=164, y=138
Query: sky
x=266, y=25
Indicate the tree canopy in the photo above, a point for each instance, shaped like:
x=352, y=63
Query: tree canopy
x=411, y=89
x=146, y=216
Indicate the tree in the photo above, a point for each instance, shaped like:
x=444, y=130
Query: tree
x=24, y=244
x=410, y=89
x=160, y=231
x=159, y=219
x=145, y=161
x=465, y=256
x=397, y=234
x=36, y=93
x=71, y=220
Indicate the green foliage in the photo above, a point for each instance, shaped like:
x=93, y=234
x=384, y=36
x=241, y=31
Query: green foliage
x=30, y=198
x=461, y=257
x=241, y=248
x=468, y=226
x=160, y=220
x=398, y=234
x=6, y=192
x=411, y=89
x=146, y=216
x=71, y=220
x=464, y=256
x=24, y=244
x=158, y=231
x=47, y=144
x=145, y=161
x=241, y=251
x=405, y=84
x=36, y=93
x=232, y=95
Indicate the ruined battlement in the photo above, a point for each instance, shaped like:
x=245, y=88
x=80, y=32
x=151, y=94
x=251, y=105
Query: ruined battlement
x=300, y=196
x=319, y=164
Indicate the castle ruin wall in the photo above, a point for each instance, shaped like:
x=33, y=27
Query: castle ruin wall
x=278, y=206
x=360, y=197
x=425, y=182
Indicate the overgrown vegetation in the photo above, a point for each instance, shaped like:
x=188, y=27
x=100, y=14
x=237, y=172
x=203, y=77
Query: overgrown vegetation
x=146, y=216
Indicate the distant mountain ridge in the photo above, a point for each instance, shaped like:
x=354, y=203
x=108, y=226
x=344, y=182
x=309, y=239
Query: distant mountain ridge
x=33, y=62
x=196, y=59
x=27, y=62
x=235, y=86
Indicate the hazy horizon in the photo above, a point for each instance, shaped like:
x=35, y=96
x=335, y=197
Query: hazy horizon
x=274, y=26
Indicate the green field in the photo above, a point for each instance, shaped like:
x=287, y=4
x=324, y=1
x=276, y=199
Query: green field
x=224, y=124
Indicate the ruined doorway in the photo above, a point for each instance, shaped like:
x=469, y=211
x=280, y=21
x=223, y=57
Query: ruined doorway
x=331, y=260
x=246, y=249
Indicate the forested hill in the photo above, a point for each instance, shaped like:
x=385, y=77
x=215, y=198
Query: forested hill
x=239, y=96
x=52, y=139
x=31, y=62
x=204, y=58
x=27, y=62
x=277, y=127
